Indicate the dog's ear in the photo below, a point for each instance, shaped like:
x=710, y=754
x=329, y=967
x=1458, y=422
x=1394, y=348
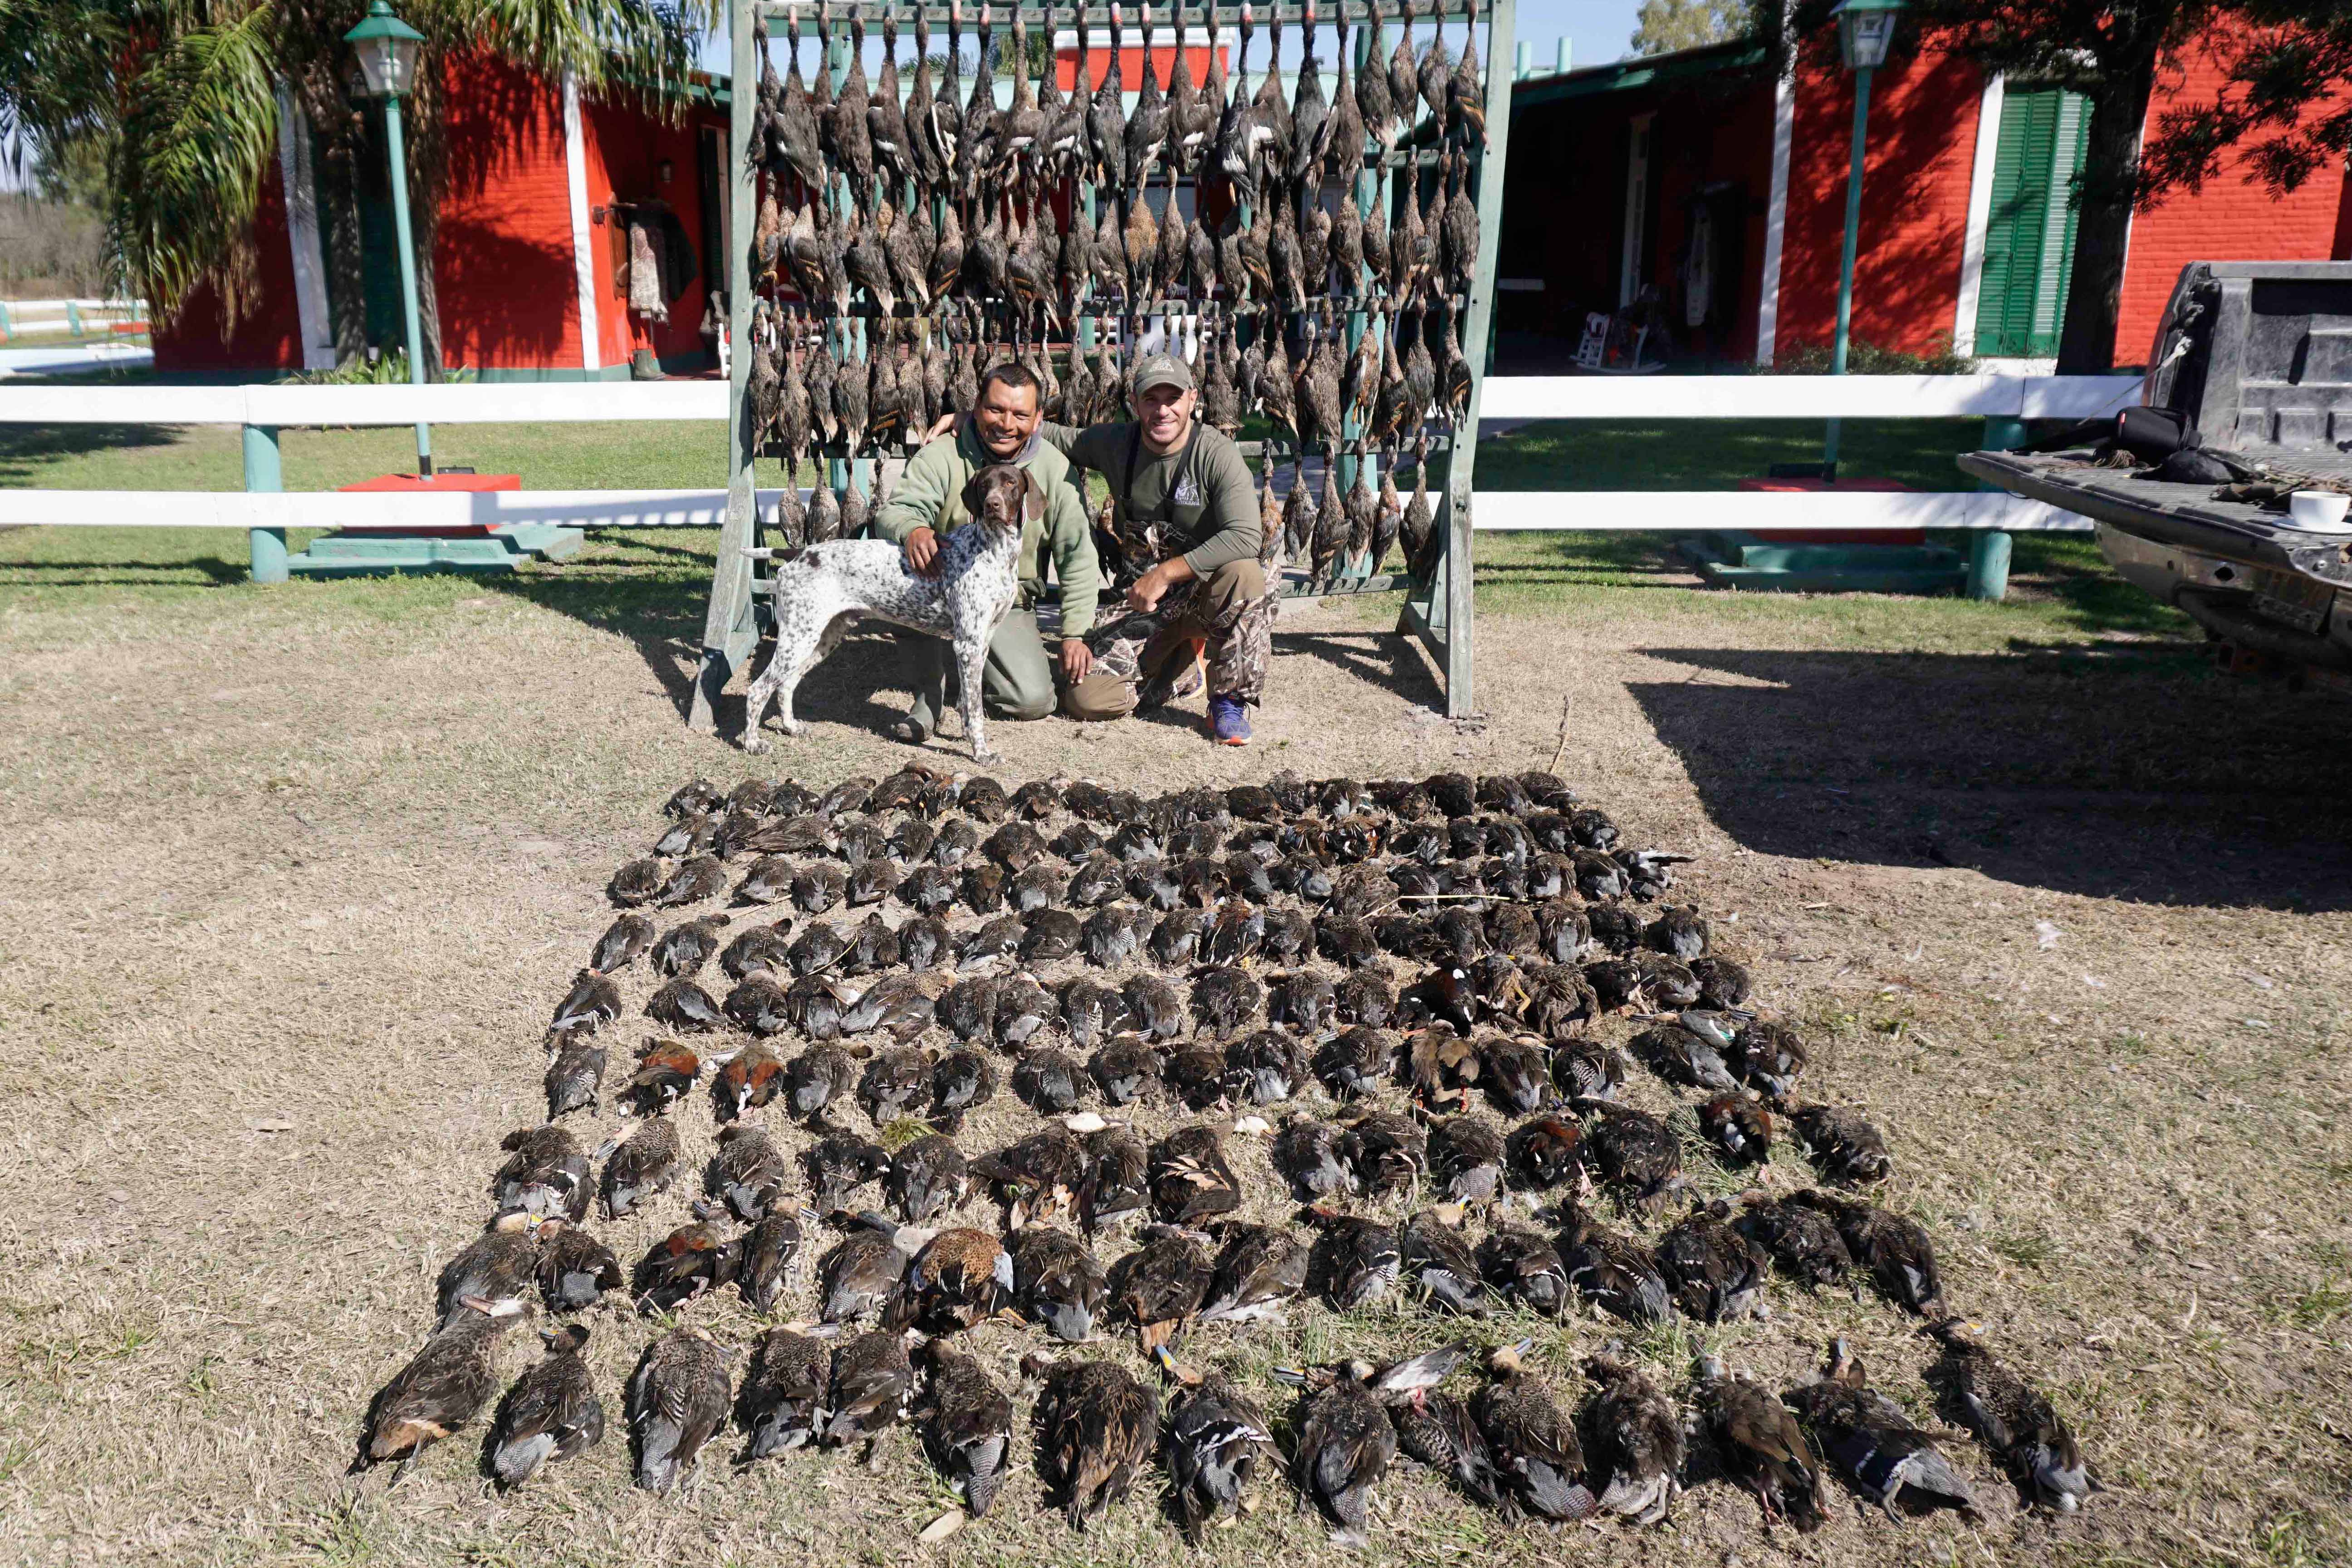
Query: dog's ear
x=1033, y=497
x=976, y=494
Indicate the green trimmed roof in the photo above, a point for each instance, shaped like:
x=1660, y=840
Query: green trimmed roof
x=1641, y=71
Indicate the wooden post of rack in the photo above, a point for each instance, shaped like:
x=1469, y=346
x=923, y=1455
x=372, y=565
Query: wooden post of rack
x=1440, y=615
x=730, y=629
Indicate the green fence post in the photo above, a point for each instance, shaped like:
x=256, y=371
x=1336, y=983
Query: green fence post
x=262, y=476
x=73, y=317
x=1989, y=548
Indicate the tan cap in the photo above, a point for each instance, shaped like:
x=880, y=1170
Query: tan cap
x=1161, y=370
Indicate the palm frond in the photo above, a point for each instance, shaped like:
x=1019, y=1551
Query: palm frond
x=199, y=129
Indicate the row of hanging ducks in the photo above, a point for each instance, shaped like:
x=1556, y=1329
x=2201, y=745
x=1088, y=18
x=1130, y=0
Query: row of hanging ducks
x=988, y=171
x=806, y=400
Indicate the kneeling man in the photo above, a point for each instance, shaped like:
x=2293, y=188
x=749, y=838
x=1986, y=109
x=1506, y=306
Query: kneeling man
x=1208, y=597
x=1022, y=680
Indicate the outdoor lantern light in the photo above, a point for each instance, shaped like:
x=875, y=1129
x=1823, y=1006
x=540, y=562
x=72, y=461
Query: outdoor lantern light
x=1864, y=29
x=386, y=47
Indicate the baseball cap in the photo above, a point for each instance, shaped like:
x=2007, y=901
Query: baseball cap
x=1163, y=370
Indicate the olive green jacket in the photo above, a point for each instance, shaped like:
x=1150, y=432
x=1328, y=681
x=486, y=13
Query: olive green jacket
x=930, y=495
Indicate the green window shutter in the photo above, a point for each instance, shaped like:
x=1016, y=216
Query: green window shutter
x=2029, y=231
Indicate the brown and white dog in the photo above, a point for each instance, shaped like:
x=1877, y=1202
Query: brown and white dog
x=821, y=591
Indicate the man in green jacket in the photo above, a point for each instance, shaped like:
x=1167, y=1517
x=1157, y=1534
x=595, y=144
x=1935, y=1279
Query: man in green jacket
x=1208, y=594
x=1021, y=681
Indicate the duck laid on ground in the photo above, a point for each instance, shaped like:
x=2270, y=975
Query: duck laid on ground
x=550, y=1414
x=1638, y=1441
x=545, y=1175
x=677, y=1401
x=1345, y=1445
x=1057, y=1281
x=575, y=1270
x=639, y=1168
x=1438, y=1429
x=1214, y=1438
x=872, y=1384
x=967, y=1426
x=1762, y=1446
x=1096, y=1429
x=2014, y=1420
x=441, y=1389
x=783, y=1398
x=1867, y=1435
x=494, y=1274
x=1533, y=1445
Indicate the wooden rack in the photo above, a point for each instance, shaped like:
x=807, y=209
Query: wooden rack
x=1436, y=612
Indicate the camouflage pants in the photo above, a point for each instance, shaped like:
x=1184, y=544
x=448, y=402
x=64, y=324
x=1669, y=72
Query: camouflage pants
x=1230, y=612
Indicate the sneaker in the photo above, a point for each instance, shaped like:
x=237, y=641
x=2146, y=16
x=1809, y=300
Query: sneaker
x=1228, y=723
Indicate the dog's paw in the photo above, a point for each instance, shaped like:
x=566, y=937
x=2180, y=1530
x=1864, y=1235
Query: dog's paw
x=756, y=744
x=986, y=757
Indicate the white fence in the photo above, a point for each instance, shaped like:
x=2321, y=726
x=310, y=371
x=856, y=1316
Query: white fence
x=1511, y=398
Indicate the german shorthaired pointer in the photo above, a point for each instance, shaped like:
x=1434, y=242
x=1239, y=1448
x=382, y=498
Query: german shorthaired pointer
x=821, y=590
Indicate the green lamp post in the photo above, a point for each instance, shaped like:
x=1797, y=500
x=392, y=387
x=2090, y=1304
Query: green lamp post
x=387, y=48
x=1865, y=28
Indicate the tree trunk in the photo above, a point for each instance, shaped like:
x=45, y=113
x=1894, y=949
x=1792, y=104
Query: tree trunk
x=425, y=225
x=339, y=213
x=2110, y=181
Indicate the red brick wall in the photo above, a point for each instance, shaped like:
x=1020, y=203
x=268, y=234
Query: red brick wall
x=502, y=262
x=2233, y=218
x=269, y=335
x=1915, y=204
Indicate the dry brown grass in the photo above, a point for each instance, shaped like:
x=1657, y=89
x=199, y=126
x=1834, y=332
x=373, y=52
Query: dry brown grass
x=276, y=859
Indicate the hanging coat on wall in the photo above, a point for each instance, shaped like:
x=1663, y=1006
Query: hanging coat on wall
x=661, y=259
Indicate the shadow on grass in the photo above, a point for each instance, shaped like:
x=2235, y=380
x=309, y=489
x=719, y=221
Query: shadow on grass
x=2133, y=773
x=216, y=571
x=24, y=448
x=1395, y=664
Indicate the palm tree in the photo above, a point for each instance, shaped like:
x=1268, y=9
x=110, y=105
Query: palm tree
x=183, y=97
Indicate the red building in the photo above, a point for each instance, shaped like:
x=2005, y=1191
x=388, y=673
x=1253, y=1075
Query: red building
x=1696, y=175
x=1702, y=177
x=531, y=259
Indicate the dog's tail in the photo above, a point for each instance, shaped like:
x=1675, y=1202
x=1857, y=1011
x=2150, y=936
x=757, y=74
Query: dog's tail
x=769, y=553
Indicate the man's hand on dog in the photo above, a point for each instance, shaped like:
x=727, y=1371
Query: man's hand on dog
x=923, y=552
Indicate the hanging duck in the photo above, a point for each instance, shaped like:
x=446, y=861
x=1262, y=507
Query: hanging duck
x=793, y=128
x=1234, y=146
x=1310, y=117
x=1192, y=119
x=1023, y=121
x=1147, y=130
x=1404, y=84
x=1465, y=96
x=1458, y=229
x=1433, y=77
x=1347, y=244
x=1107, y=121
x=886, y=120
x=1375, y=108
x=924, y=160
x=908, y=245
x=1168, y=273
x=1272, y=114
x=976, y=141
x=853, y=142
